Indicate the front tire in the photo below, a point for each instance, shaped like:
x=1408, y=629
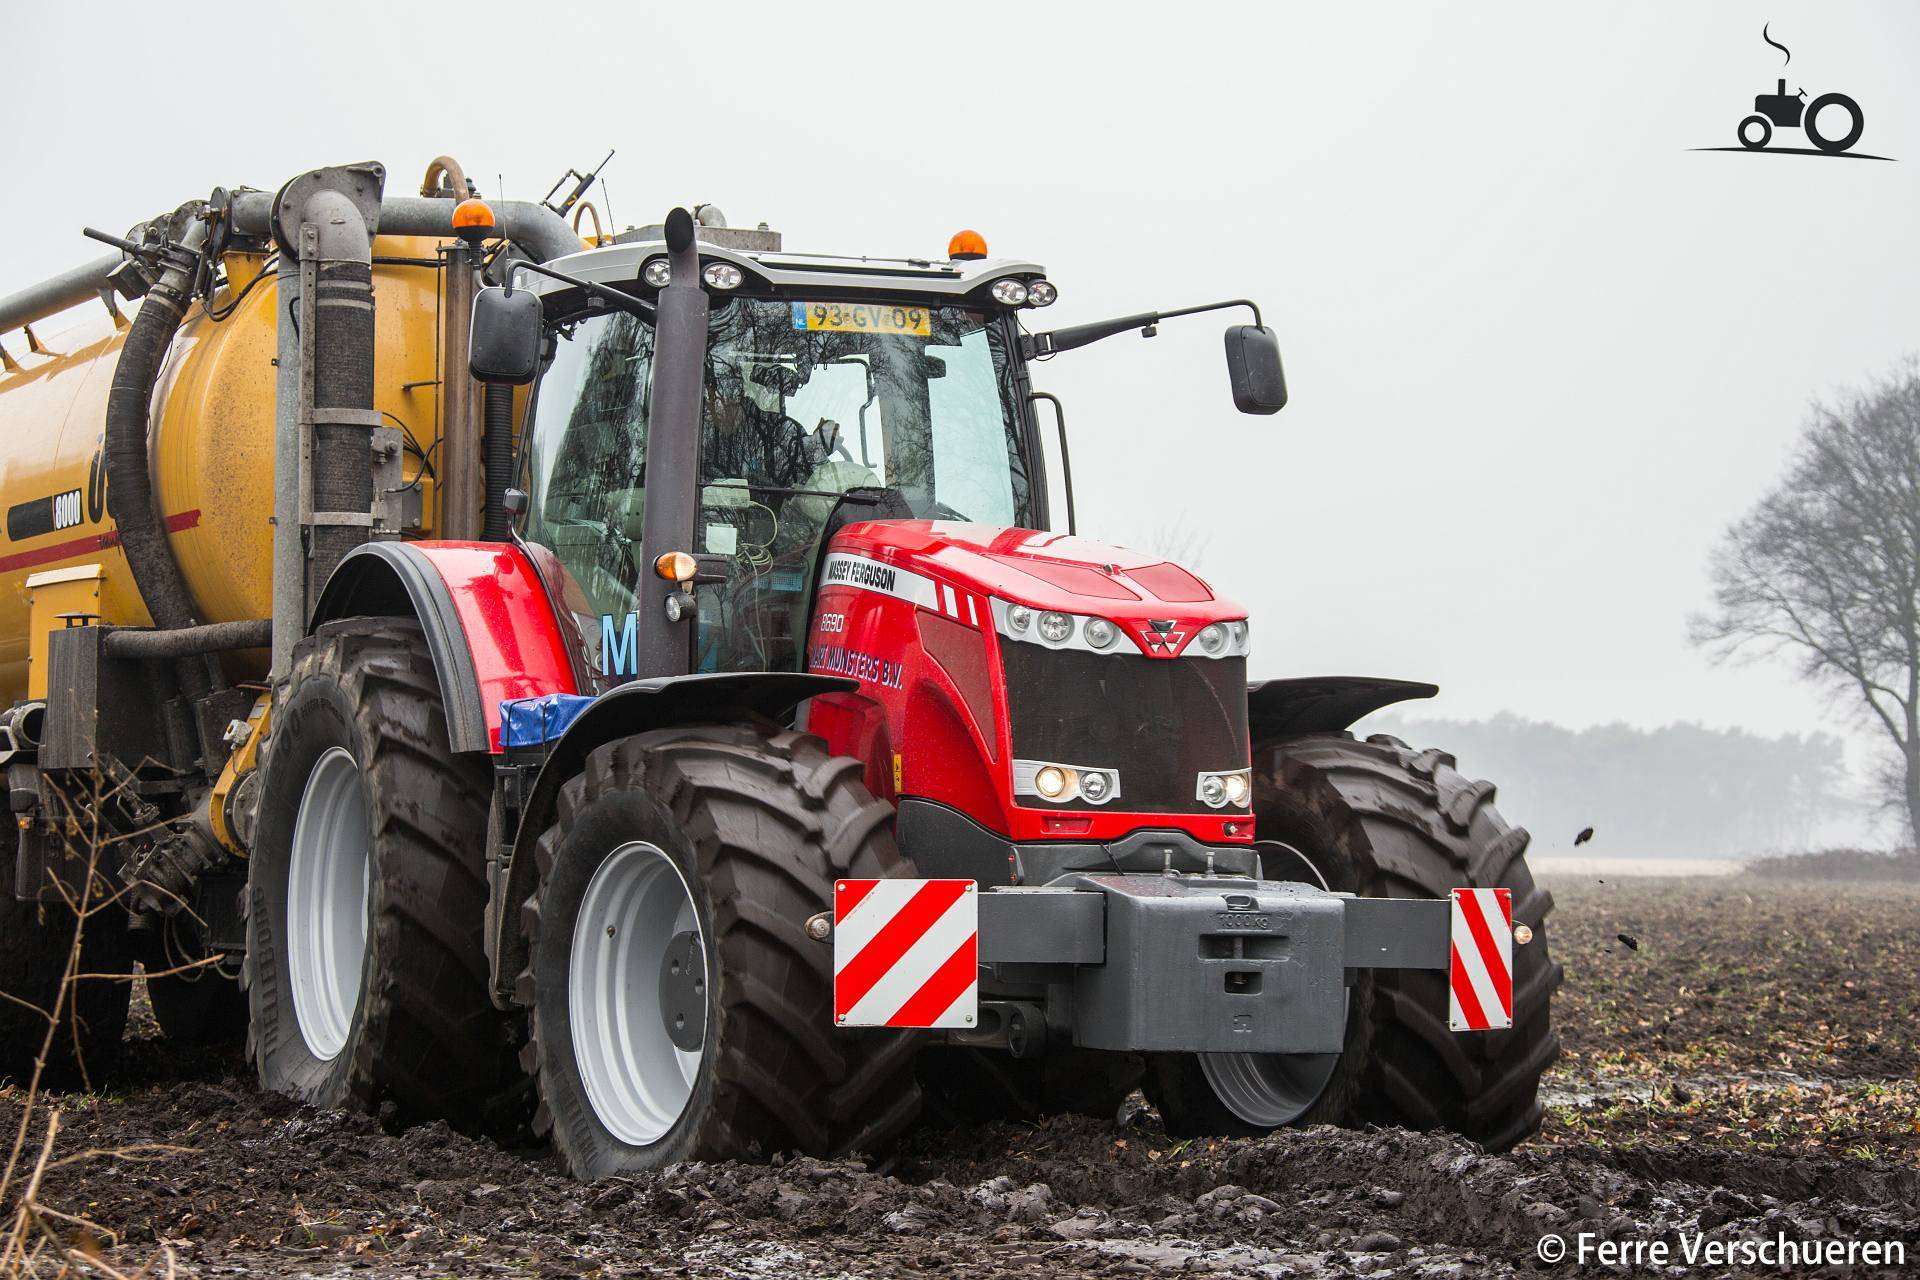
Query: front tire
x=1752, y=140
x=679, y=1010
x=366, y=893
x=1379, y=819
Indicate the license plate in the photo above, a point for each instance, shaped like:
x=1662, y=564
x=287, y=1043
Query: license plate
x=862, y=317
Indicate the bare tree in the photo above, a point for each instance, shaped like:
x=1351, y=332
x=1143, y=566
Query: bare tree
x=1825, y=569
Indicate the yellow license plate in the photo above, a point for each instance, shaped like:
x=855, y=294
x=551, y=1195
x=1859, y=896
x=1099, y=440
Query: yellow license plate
x=862, y=317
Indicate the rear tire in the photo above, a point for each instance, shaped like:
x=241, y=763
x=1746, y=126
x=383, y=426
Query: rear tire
x=390, y=866
x=1378, y=819
x=735, y=833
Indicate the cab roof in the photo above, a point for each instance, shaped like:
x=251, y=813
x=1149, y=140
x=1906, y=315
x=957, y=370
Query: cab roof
x=621, y=264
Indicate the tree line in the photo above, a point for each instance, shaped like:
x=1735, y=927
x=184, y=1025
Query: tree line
x=1681, y=790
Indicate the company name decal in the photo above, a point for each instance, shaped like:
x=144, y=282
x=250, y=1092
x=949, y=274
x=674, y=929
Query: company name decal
x=844, y=570
x=832, y=659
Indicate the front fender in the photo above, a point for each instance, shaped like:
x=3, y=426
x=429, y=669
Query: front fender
x=1322, y=704
x=490, y=628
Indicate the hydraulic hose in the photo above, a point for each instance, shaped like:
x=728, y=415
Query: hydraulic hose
x=498, y=448
x=130, y=500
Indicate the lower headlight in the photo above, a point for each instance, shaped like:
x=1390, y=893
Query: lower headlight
x=1052, y=781
x=1094, y=786
x=1227, y=787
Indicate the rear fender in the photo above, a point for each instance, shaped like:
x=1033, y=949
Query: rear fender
x=1322, y=704
x=490, y=627
x=631, y=708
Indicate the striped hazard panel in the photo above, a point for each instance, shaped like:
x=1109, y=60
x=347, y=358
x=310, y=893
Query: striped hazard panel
x=1481, y=970
x=905, y=953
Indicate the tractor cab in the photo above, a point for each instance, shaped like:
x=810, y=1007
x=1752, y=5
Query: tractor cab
x=912, y=401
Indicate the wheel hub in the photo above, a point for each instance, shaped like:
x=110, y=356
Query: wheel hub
x=327, y=879
x=683, y=991
x=637, y=992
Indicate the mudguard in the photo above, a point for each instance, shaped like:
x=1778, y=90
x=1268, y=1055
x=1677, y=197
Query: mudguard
x=490, y=627
x=631, y=708
x=1322, y=704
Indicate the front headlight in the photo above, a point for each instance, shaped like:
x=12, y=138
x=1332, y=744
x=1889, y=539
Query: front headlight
x=1055, y=627
x=1064, y=783
x=1227, y=787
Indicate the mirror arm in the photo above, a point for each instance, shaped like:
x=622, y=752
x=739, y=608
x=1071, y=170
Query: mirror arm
x=1066, y=463
x=1079, y=335
x=614, y=296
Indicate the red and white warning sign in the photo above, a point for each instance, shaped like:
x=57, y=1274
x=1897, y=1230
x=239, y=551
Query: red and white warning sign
x=905, y=953
x=1481, y=972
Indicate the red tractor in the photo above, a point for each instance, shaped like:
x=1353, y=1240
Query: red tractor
x=767, y=766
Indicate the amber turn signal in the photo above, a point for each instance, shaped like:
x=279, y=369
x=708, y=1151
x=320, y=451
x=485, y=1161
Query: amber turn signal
x=676, y=566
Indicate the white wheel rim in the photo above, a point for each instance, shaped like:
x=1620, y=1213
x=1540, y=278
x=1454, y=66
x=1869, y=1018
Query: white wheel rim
x=637, y=1079
x=327, y=902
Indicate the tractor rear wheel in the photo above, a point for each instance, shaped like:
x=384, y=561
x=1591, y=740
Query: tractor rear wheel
x=366, y=892
x=679, y=1009
x=1379, y=819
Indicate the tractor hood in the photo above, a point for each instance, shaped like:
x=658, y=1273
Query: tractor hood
x=1050, y=571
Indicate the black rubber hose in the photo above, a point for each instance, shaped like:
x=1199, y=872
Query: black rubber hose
x=130, y=501
x=342, y=379
x=498, y=447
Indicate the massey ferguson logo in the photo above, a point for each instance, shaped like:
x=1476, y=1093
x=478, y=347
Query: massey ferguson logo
x=1161, y=637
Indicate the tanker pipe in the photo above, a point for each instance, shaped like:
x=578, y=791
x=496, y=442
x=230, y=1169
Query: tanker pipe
x=50, y=297
x=130, y=502
x=340, y=465
x=533, y=226
x=214, y=637
x=498, y=446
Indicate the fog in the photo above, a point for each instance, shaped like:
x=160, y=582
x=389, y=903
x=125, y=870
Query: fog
x=1540, y=351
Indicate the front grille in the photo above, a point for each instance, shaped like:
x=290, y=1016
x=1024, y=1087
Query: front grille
x=1160, y=722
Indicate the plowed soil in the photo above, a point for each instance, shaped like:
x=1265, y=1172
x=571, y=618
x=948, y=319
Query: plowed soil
x=1747, y=1071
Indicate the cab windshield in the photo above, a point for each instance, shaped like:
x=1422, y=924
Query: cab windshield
x=804, y=401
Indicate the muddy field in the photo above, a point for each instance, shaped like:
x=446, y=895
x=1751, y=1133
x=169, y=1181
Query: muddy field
x=1747, y=1069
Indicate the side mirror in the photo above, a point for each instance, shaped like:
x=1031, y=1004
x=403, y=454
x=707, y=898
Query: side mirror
x=503, y=345
x=1253, y=364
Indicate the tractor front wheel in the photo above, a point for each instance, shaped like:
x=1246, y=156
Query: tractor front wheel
x=679, y=1009
x=1379, y=819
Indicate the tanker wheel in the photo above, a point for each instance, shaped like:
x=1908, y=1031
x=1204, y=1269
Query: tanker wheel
x=1751, y=141
x=36, y=940
x=679, y=1009
x=367, y=893
x=1379, y=819
x=983, y=1084
x=1856, y=122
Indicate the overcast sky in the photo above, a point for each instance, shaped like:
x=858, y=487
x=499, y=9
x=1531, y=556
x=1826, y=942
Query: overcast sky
x=1540, y=352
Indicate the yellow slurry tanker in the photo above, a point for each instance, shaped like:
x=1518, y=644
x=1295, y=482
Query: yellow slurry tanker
x=635, y=685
